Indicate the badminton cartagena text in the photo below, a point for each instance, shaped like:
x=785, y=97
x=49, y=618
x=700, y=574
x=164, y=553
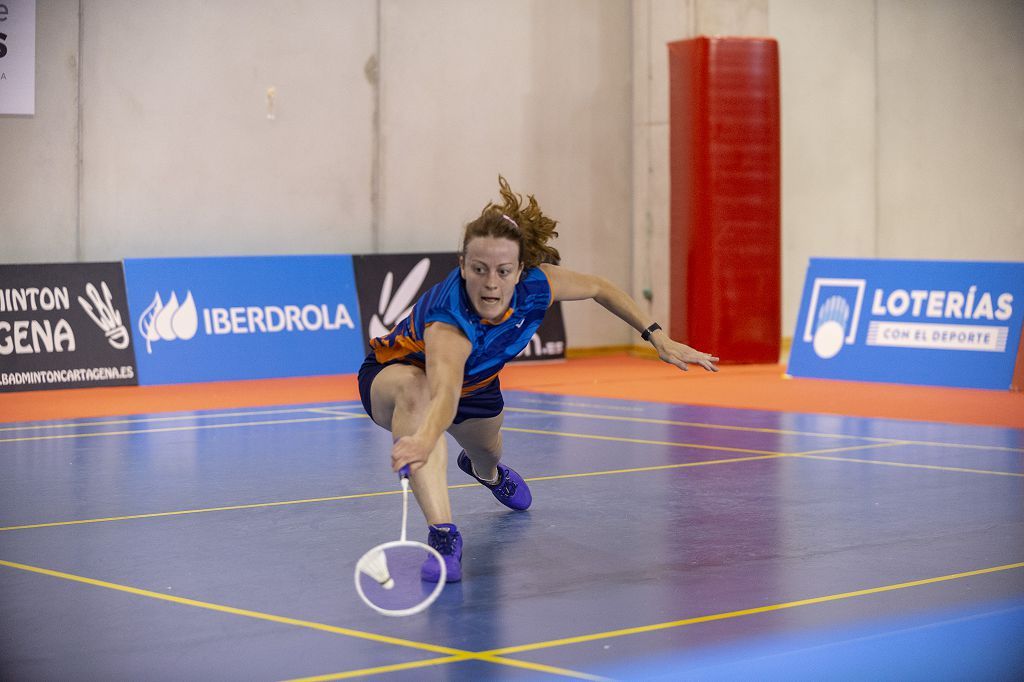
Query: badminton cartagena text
x=388, y=576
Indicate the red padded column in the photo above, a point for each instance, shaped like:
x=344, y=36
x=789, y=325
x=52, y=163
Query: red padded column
x=725, y=216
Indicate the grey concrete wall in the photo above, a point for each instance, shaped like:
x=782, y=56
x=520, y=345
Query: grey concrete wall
x=902, y=134
x=901, y=129
x=655, y=24
x=829, y=132
x=182, y=153
x=539, y=91
x=951, y=129
x=391, y=121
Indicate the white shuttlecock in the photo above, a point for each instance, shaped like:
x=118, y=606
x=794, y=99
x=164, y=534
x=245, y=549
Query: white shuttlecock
x=375, y=565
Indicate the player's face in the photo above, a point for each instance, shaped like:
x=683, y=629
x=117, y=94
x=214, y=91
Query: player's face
x=491, y=269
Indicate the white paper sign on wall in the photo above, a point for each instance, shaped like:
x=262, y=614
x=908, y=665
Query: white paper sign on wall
x=18, y=57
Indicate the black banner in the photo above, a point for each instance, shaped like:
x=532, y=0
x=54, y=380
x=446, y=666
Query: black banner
x=64, y=325
x=388, y=285
x=549, y=341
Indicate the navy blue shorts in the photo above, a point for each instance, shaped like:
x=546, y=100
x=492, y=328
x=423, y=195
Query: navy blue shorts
x=481, y=405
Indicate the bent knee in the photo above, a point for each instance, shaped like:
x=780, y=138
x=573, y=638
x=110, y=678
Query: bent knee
x=412, y=396
x=398, y=390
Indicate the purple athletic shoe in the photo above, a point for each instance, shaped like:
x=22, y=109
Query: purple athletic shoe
x=511, y=490
x=447, y=540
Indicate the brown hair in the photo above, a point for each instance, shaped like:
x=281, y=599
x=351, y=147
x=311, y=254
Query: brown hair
x=525, y=225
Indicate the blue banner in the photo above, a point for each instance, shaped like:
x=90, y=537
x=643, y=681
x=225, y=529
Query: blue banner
x=214, y=319
x=940, y=323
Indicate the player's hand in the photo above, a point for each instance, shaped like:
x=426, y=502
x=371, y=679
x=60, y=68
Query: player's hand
x=410, y=450
x=681, y=355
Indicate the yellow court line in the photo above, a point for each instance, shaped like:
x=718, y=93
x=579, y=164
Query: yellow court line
x=607, y=472
x=168, y=429
x=759, y=455
x=846, y=449
x=284, y=620
x=380, y=670
x=181, y=417
x=259, y=505
x=640, y=441
x=327, y=410
x=255, y=505
x=412, y=665
x=538, y=667
x=660, y=467
x=725, y=427
x=453, y=655
x=934, y=467
x=745, y=612
x=672, y=422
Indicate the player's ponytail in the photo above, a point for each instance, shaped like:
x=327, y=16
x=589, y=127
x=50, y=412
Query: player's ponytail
x=526, y=225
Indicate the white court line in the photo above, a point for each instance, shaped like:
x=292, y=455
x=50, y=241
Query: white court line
x=565, y=403
x=759, y=455
x=355, y=496
x=330, y=410
x=147, y=420
x=752, y=429
x=168, y=429
x=354, y=405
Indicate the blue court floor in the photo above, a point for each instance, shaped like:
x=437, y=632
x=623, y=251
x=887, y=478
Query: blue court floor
x=665, y=542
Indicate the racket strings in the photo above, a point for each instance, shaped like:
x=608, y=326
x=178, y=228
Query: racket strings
x=393, y=586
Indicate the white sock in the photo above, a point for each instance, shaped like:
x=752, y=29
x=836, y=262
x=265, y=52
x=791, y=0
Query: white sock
x=497, y=475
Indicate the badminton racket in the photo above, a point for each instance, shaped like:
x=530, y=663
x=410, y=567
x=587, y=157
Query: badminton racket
x=387, y=577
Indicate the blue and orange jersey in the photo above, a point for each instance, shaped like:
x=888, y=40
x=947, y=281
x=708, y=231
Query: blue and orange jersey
x=494, y=344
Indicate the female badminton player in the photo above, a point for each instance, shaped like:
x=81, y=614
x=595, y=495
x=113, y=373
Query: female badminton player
x=437, y=370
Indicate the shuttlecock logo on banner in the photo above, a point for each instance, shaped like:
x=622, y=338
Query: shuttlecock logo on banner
x=105, y=315
x=395, y=307
x=835, y=314
x=169, y=321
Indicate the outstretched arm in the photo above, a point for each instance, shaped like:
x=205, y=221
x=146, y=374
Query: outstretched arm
x=568, y=285
x=446, y=349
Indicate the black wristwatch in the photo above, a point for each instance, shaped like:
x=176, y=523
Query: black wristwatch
x=646, y=334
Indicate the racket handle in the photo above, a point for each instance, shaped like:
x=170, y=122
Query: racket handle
x=404, y=472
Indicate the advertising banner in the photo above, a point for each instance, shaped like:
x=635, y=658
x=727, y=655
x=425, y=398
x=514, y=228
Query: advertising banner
x=64, y=326
x=390, y=284
x=221, y=319
x=18, y=57
x=941, y=323
x=548, y=343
